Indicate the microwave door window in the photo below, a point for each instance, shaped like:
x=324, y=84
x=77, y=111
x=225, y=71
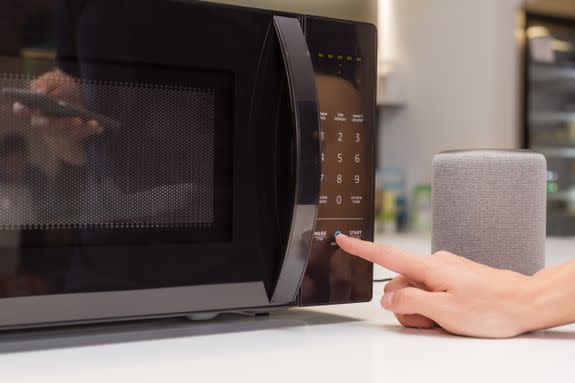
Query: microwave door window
x=110, y=155
x=137, y=156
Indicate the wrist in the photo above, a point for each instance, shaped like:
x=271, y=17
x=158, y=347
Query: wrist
x=549, y=300
x=520, y=303
x=534, y=302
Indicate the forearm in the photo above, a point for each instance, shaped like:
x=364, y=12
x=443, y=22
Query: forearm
x=552, y=297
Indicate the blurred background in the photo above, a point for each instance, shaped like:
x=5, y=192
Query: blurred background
x=465, y=74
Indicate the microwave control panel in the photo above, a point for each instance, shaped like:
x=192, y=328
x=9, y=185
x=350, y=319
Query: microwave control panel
x=344, y=60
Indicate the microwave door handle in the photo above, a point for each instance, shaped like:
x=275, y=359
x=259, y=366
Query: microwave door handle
x=305, y=109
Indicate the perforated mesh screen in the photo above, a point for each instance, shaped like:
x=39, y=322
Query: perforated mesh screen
x=148, y=162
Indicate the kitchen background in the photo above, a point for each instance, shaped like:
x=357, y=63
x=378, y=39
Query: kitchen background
x=465, y=74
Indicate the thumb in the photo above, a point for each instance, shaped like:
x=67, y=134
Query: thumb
x=411, y=300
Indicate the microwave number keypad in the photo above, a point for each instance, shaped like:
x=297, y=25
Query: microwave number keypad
x=344, y=179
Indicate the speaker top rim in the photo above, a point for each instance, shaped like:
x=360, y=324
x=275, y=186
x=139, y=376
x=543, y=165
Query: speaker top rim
x=487, y=156
x=511, y=151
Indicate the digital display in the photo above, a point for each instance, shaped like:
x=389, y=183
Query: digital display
x=322, y=55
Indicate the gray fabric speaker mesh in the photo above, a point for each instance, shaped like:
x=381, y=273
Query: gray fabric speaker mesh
x=490, y=206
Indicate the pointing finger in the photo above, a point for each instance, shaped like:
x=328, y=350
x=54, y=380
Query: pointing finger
x=411, y=266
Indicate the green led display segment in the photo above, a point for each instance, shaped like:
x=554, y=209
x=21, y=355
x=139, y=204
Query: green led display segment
x=331, y=56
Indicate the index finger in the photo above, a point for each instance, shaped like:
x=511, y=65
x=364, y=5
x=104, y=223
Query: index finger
x=412, y=266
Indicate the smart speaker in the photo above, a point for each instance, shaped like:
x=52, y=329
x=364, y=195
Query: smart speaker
x=490, y=206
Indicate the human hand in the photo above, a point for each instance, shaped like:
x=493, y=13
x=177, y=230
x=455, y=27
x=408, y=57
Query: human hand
x=64, y=87
x=463, y=297
x=57, y=84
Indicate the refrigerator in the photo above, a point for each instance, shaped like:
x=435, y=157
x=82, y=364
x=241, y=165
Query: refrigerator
x=549, y=112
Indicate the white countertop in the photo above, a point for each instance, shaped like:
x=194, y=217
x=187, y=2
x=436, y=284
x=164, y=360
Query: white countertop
x=351, y=343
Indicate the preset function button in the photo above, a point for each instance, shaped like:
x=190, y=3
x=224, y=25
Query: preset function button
x=320, y=235
x=340, y=117
x=356, y=199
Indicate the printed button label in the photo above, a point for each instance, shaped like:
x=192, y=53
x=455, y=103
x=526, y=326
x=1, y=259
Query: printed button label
x=356, y=200
x=340, y=117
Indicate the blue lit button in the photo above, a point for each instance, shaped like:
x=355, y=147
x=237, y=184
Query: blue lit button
x=337, y=233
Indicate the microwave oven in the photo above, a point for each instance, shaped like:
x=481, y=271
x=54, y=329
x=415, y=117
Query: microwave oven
x=180, y=158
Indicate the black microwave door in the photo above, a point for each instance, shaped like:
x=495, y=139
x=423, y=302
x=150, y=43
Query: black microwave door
x=159, y=145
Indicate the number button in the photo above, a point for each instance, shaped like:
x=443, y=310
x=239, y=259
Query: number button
x=340, y=137
x=338, y=200
x=357, y=159
x=339, y=178
x=340, y=158
x=357, y=138
x=356, y=179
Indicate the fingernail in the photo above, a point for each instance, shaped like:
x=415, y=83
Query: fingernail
x=387, y=300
